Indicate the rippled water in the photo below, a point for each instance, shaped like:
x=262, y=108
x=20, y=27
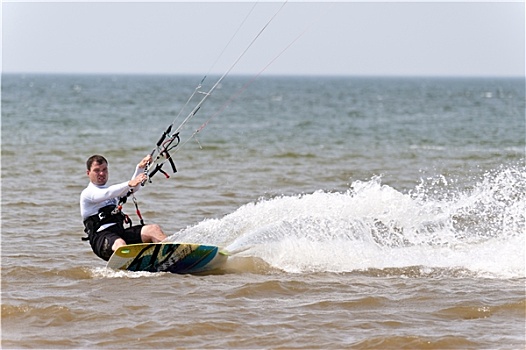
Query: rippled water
x=364, y=213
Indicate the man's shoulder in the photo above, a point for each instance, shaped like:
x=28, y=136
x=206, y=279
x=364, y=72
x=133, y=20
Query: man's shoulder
x=91, y=186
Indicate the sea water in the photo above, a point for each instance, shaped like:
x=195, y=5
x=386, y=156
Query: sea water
x=360, y=212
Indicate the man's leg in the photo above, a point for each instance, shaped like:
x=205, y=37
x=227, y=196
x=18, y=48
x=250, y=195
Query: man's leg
x=105, y=243
x=152, y=234
x=119, y=242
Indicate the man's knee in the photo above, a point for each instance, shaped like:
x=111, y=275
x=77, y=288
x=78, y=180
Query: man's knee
x=152, y=233
x=154, y=228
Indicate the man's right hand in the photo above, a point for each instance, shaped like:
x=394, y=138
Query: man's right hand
x=139, y=179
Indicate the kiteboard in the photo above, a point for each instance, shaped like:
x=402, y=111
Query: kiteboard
x=181, y=258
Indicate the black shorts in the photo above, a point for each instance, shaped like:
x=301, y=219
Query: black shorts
x=101, y=242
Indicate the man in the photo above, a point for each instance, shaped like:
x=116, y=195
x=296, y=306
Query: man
x=103, y=221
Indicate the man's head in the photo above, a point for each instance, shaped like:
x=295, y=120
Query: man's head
x=97, y=169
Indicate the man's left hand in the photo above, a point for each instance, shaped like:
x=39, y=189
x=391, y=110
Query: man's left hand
x=145, y=161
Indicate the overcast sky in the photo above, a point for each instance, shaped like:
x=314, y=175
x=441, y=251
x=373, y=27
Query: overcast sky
x=309, y=38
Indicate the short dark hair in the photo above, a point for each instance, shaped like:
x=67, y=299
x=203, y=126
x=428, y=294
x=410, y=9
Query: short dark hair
x=95, y=159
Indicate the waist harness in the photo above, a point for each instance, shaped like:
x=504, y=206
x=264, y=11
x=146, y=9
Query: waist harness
x=106, y=215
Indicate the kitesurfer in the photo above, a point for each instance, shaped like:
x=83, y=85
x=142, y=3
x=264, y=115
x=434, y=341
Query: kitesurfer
x=101, y=210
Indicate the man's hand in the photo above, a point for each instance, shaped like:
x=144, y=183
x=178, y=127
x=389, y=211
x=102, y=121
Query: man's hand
x=146, y=160
x=137, y=180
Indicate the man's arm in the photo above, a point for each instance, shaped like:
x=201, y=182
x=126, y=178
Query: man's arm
x=139, y=176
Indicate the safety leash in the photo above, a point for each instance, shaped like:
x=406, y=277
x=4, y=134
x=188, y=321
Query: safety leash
x=137, y=211
x=122, y=201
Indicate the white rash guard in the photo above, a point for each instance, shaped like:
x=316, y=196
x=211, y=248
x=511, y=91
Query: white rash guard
x=95, y=197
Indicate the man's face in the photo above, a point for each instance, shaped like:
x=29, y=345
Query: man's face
x=98, y=174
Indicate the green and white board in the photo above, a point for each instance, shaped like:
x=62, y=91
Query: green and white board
x=167, y=257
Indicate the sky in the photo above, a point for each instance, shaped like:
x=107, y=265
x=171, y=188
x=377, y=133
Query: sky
x=298, y=38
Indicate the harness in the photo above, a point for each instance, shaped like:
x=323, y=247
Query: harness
x=106, y=215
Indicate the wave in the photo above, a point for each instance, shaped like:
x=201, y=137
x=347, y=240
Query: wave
x=372, y=226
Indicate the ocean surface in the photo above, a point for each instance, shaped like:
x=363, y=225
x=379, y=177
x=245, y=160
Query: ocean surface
x=363, y=212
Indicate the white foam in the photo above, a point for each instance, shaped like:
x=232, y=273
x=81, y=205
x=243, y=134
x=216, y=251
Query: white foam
x=103, y=272
x=375, y=226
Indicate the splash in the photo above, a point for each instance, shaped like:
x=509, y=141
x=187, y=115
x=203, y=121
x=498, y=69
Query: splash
x=374, y=226
x=104, y=272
